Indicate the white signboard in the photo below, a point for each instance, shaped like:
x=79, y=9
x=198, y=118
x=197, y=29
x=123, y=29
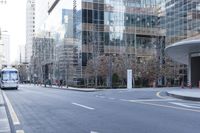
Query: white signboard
x=129, y=79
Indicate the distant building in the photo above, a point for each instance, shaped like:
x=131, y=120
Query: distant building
x=42, y=59
x=41, y=14
x=4, y=48
x=1, y=53
x=30, y=28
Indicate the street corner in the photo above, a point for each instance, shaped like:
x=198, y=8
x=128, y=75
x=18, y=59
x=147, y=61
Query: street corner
x=185, y=94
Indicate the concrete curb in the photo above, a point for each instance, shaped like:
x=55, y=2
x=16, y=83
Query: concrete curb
x=183, y=97
x=4, y=121
x=73, y=89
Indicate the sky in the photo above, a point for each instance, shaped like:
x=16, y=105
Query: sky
x=13, y=19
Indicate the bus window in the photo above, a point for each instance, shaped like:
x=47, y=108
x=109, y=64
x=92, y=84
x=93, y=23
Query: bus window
x=9, y=75
x=5, y=75
x=13, y=75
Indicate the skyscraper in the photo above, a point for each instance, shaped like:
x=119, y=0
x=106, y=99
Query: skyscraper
x=4, y=48
x=30, y=28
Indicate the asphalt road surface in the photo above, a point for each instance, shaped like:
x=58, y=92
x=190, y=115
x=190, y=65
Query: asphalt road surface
x=35, y=109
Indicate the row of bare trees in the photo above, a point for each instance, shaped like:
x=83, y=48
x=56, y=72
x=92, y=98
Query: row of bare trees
x=113, y=68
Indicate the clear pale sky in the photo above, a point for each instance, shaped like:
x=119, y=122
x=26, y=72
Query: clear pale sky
x=13, y=19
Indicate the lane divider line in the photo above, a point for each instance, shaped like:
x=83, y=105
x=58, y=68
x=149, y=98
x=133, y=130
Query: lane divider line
x=11, y=110
x=165, y=97
x=152, y=100
x=20, y=131
x=111, y=98
x=83, y=106
x=185, y=105
x=124, y=100
x=147, y=100
x=4, y=131
x=167, y=106
x=158, y=95
x=93, y=132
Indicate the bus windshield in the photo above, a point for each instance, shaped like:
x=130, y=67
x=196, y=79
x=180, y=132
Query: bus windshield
x=9, y=75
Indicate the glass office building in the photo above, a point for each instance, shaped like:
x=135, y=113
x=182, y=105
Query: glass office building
x=98, y=40
x=182, y=23
x=182, y=19
x=127, y=30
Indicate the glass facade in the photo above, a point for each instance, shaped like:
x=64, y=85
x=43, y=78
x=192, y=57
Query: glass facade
x=182, y=21
x=119, y=30
x=96, y=41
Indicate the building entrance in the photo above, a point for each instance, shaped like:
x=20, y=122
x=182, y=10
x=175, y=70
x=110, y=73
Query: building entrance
x=195, y=71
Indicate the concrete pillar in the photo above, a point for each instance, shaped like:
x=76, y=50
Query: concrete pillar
x=189, y=69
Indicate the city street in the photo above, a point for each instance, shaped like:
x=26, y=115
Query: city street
x=36, y=109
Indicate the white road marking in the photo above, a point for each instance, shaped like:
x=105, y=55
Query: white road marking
x=80, y=105
x=101, y=96
x=158, y=95
x=186, y=105
x=147, y=100
x=167, y=106
x=3, y=120
x=19, y=131
x=152, y=100
x=93, y=132
x=4, y=131
x=11, y=110
x=124, y=100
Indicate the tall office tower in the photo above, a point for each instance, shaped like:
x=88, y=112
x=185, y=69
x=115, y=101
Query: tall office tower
x=4, y=48
x=6, y=41
x=41, y=14
x=30, y=28
x=1, y=50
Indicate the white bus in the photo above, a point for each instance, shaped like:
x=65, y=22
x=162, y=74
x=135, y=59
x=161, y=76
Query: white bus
x=9, y=78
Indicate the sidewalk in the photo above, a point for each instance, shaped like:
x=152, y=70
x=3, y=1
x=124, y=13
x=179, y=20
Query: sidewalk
x=4, y=123
x=74, y=89
x=186, y=94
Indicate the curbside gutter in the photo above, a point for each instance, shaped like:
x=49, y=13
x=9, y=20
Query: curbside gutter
x=183, y=97
x=4, y=121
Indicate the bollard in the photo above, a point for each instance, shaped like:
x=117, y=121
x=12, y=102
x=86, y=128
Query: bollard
x=190, y=86
x=182, y=85
x=154, y=84
x=199, y=84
